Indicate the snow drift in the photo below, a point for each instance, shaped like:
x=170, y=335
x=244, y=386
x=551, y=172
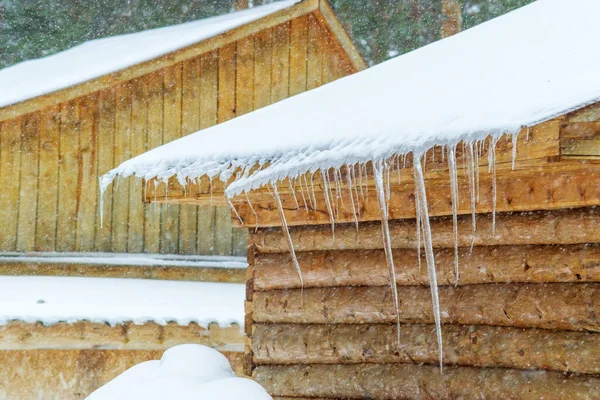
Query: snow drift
x=184, y=372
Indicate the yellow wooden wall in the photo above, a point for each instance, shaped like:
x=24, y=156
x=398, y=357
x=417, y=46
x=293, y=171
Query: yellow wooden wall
x=50, y=160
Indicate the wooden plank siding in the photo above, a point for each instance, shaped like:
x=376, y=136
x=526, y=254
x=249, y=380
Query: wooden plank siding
x=50, y=159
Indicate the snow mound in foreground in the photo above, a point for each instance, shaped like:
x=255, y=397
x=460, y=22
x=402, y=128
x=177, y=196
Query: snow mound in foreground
x=189, y=371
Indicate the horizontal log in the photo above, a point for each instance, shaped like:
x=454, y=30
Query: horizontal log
x=493, y=264
x=160, y=272
x=88, y=335
x=479, y=345
x=563, y=306
x=405, y=381
x=570, y=226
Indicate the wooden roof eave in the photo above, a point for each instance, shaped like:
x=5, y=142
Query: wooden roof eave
x=543, y=179
x=100, y=83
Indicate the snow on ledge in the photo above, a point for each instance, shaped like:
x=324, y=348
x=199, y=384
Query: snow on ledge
x=492, y=79
x=51, y=300
x=125, y=259
x=100, y=57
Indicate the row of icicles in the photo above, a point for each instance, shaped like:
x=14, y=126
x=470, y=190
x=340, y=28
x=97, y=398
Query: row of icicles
x=354, y=180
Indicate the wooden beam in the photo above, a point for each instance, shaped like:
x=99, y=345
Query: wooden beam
x=18, y=335
x=401, y=381
x=474, y=346
x=160, y=272
x=486, y=264
x=580, y=140
x=560, y=227
x=562, y=306
x=27, y=106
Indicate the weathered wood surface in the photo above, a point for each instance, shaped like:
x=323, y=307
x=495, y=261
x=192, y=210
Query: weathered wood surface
x=160, y=272
x=480, y=346
x=70, y=374
x=403, y=381
x=68, y=145
x=537, y=190
x=493, y=264
x=18, y=335
x=580, y=140
x=526, y=228
x=563, y=306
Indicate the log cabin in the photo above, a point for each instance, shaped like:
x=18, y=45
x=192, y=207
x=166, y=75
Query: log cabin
x=427, y=228
x=70, y=117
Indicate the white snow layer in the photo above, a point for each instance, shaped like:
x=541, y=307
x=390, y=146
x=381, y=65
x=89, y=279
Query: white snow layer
x=517, y=70
x=184, y=372
x=125, y=259
x=100, y=57
x=64, y=299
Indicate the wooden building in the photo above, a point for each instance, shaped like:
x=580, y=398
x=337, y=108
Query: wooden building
x=63, y=338
x=71, y=117
x=477, y=194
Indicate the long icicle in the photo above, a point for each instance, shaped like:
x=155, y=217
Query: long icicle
x=418, y=219
x=387, y=242
x=328, y=202
x=424, y=212
x=494, y=186
x=286, y=232
x=350, y=184
x=471, y=176
x=454, y=195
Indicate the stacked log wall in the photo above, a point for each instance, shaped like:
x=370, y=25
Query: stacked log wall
x=520, y=323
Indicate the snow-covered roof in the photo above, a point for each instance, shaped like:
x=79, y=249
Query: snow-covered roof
x=517, y=70
x=100, y=57
x=64, y=299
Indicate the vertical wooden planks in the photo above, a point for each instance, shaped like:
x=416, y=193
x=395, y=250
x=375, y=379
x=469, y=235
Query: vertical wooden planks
x=298, y=54
x=106, y=159
x=120, y=217
x=48, y=131
x=87, y=187
x=29, y=182
x=139, y=121
x=314, y=54
x=244, y=80
x=280, y=73
x=208, y=117
x=330, y=59
x=190, y=123
x=244, y=100
x=225, y=112
x=154, y=139
x=172, y=130
x=68, y=176
x=263, y=54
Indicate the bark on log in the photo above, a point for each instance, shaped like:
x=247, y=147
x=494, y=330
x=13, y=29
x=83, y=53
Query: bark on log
x=474, y=345
x=563, y=306
x=493, y=264
x=405, y=381
x=574, y=226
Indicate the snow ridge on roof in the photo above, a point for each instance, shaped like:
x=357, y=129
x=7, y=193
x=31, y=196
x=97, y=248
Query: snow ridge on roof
x=51, y=300
x=100, y=57
x=517, y=70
